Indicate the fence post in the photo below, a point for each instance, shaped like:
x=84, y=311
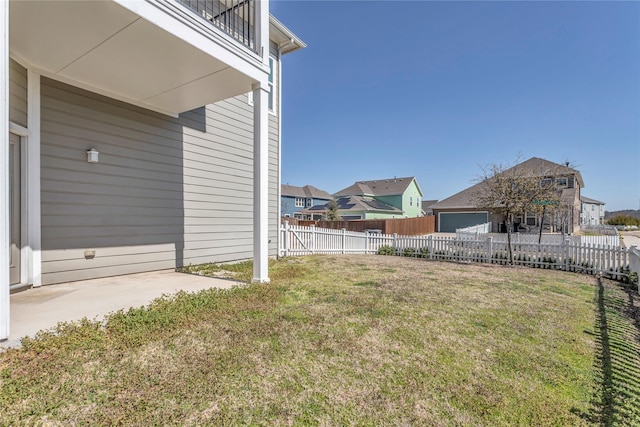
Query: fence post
x=286, y=238
x=634, y=262
x=344, y=241
x=313, y=239
x=395, y=247
x=366, y=243
x=430, y=245
x=565, y=253
x=490, y=249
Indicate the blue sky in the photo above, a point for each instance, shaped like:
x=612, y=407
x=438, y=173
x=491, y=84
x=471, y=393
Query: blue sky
x=437, y=90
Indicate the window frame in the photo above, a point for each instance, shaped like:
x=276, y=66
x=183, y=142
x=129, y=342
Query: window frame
x=272, y=95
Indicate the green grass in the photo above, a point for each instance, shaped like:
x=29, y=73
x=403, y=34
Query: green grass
x=348, y=340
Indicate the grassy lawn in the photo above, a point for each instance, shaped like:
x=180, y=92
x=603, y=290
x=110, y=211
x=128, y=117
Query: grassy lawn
x=345, y=340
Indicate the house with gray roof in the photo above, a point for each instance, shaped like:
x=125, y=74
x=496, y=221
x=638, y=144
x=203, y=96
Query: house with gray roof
x=461, y=209
x=356, y=207
x=427, y=209
x=591, y=211
x=294, y=200
x=403, y=195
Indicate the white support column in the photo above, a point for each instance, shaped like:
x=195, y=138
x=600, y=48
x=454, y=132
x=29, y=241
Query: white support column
x=34, y=260
x=4, y=170
x=261, y=9
x=260, y=183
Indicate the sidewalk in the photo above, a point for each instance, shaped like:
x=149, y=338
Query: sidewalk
x=43, y=307
x=630, y=238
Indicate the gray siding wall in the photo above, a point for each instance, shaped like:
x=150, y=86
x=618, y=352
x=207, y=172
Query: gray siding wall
x=166, y=192
x=17, y=93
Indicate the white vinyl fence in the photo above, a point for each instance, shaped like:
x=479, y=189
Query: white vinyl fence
x=547, y=239
x=475, y=229
x=610, y=261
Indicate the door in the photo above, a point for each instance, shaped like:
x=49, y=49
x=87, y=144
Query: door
x=14, y=208
x=450, y=221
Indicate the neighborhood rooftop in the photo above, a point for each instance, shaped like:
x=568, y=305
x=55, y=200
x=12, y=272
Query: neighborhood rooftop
x=380, y=187
x=308, y=191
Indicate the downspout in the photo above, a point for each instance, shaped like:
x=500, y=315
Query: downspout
x=279, y=103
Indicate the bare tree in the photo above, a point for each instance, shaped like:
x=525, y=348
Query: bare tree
x=332, y=211
x=512, y=192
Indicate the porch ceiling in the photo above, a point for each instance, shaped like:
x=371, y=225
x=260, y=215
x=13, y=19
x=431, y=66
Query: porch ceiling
x=103, y=47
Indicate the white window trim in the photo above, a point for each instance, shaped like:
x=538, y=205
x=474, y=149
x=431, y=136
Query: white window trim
x=272, y=87
x=299, y=202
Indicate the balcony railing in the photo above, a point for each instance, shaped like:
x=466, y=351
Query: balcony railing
x=234, y=17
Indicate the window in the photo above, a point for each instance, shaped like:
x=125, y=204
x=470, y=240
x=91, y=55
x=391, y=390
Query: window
x=271, y=98
x=410, y=201
x=545, y=182
x=299, y=202
x=562, y=182
x=309, y=202
x=272, y=78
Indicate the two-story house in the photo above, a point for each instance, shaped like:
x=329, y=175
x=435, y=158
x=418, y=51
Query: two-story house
x=383, y=198
x=461, y=209
x=294, y=200
x=139, y=135
x=591, y=211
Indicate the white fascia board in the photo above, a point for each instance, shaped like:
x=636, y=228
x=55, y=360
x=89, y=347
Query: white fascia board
x=175, y=19
x=286, y=39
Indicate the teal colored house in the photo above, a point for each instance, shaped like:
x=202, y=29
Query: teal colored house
x=394, y=198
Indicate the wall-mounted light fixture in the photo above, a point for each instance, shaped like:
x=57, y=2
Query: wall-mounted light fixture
x=92, y=155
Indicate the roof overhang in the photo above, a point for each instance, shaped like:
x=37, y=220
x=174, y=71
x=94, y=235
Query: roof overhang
x=158, y=55
x=286, y=41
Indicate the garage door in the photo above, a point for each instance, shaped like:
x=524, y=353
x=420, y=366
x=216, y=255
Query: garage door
x=448, y=222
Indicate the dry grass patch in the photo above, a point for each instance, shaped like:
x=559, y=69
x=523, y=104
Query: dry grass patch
x=348, y=340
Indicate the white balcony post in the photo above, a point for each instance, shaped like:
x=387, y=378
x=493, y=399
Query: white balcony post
x=4, y=170
x=260, y=183
x=261, y=10
x=32, y=180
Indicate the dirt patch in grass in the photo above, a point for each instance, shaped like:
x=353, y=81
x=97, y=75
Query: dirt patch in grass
x=345, y=340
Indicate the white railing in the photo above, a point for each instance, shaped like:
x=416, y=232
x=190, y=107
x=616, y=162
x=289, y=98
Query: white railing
x=590, y=258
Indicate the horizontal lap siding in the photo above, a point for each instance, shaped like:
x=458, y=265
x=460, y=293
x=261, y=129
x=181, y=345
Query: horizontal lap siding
x=17, y=93
x=223, y=229
x=128, y=207
x=166, y=191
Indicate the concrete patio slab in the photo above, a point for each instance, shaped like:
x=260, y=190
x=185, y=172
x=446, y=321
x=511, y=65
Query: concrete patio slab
x=42, y=308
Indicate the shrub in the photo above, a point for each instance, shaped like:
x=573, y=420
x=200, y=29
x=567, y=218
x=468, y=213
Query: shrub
x=386, y=250
x=409, y=252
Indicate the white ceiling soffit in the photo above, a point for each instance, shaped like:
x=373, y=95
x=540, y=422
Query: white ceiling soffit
x=102, y=46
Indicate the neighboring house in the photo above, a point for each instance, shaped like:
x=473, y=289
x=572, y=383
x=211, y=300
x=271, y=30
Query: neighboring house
x=293, y=200
x=427, y=209
x=460, y=210
x=591, y=211
x=133, y=140
x=356, y=207
x=403, y=194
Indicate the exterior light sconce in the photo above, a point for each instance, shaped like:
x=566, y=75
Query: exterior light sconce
x=92, y=155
